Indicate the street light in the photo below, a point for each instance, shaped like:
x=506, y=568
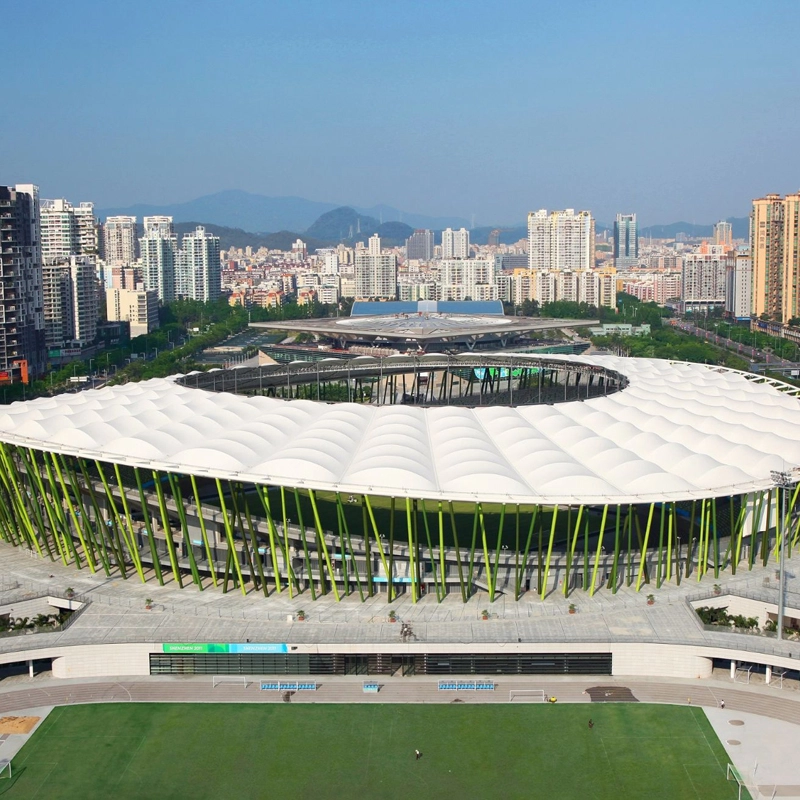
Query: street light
x=784, y=480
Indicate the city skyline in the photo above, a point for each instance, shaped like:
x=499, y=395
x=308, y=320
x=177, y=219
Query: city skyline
x=552, y=141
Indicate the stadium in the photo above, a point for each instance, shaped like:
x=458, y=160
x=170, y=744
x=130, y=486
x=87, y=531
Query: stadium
x=507, y=474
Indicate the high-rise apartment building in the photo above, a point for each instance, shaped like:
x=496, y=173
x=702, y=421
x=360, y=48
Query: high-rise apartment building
x=775, y=254
x=560, y=239
x=67, y=230
x=626, y=241
x=455, y=244
x=375, y=276
x=467, y=279
x=199, y=273
x=119, y=240
x=739, y=285
x=723, y=234
x=704, y=280
x=374, y=245
x=21, y=310
x=71, y=303
x=419, y=246
x=159, y=252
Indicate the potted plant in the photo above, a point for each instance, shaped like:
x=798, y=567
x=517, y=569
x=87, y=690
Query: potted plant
x=148, y=603
x=69, y=592
x=301, y=616
x=392, y=616
x=717, y=589
x=651, y=598
x=485, y=614
x=572, y=608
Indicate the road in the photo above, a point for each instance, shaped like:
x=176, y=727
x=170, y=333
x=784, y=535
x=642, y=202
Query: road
x=754, y=355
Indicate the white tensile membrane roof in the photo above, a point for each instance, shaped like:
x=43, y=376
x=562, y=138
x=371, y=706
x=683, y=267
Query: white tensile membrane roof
x=678, y=431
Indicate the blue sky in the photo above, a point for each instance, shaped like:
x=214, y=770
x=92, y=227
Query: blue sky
x=675, y=110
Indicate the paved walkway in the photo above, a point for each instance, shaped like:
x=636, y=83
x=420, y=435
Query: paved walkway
x=117, y=613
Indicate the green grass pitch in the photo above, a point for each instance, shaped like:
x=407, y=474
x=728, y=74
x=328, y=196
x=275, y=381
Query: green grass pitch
x=152, y=751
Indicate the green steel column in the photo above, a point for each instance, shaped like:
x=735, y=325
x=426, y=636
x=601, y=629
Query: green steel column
x=441, y=550
x=765, y=532
x=28, y=460
x=367, y=550
x=8, y=475
x=263, y=495
x=486, y=561
x=303, y=539
x=177, y=496
x=536, y=510
x=100, y=527
x=392, y=590
x=643, y=563
x=232, y=554
x=701, y=545
x=88, y=553
x=321, y=540
x=690, y=545
x=498, y=549
x=516, y=548
x=571, y=548
x=669, y=540
x=454, y=527
x=204, y=533
x=471, y=576
x=148, y=526
x=378, y=542
x=125, y=529
x=716, y=536
x=344, y=526
x=342, y=547
x=431, y=560
x=84, y=516
x=57, y=507
x=598, y=552
x=55, y=525
x=660, y=544
x=412, y=567
x=255, y=574
x=615, y=564
x=162, y=506
x=549, y=552
x=738, y=535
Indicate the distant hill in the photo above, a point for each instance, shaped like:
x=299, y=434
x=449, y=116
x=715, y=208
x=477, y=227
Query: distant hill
x=740, y=225
x=255, y=212
x=345, y=224
x=236, y=237
x=507, y=235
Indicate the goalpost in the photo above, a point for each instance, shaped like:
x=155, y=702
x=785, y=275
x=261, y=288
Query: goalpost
x=5, y=765
x=733, y=774
x=527, y=694
x=238, y=680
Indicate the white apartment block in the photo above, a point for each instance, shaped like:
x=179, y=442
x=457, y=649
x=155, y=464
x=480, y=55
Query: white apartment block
x=455, y=244
x=67, y=230
x=739, y=286
x=593, y=287
x=704, y=280
x=655, y=287
x=375, y=276
x=119, y=238
x=71, y=307
x=159, y=253
x=375, y=245
x=199, y=274
x=467, y=278
x=560, y=240
x=139, y=307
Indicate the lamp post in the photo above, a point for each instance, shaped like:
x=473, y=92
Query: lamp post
x=784, y=480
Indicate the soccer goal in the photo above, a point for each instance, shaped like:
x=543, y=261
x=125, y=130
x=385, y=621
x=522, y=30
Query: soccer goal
x=5, y=767
x=238, y=680
x=733, y=774
x=534, y=695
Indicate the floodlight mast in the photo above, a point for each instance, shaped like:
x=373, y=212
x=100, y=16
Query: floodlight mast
x=785, y=480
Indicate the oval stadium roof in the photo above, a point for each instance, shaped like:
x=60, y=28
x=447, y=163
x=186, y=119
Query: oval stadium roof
x=678, y=431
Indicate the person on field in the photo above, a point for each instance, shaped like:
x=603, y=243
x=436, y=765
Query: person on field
x=417, y=755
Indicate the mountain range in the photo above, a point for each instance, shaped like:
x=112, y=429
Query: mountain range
x=241, y=219
x=262, y=214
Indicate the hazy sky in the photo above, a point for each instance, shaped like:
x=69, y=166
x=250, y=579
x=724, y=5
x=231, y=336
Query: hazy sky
x=675, y=109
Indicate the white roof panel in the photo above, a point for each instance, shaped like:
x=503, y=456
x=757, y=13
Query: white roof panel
x=678, y=431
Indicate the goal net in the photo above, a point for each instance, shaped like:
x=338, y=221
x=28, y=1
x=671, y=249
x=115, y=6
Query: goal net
x=238, y=680
x=734, y=774
x=527, y=695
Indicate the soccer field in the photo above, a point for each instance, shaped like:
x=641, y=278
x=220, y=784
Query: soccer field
x=150, y=751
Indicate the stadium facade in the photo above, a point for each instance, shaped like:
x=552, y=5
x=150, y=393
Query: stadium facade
x=507, y=474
